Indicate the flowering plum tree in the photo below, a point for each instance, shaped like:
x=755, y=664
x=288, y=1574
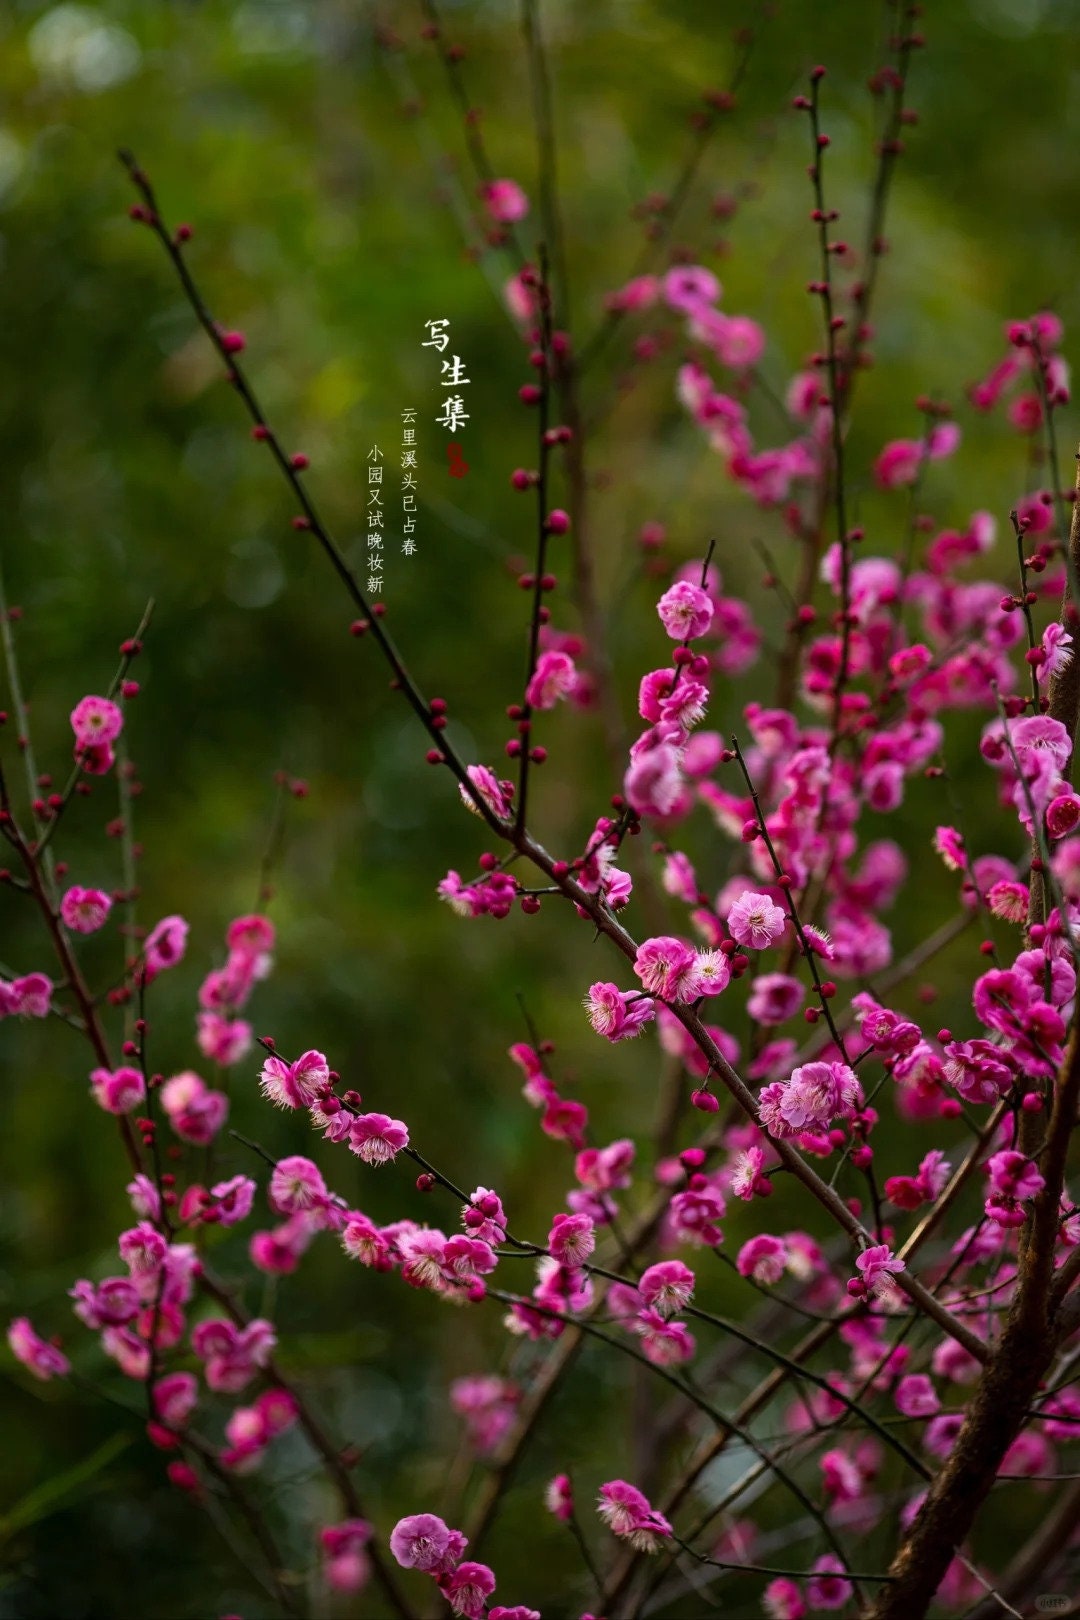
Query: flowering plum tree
x=910, y=1314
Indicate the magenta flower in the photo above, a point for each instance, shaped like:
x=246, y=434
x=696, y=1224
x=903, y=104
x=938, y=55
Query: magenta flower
x=223, y=1040
x=666, y=1344
x=1041, y=734
x=748, y=1178
x=145, y=1200
x=420, y=1541
x=175, y=1398
x=195, y=1112
x=96, y=722
x=498, y=796
x=295, y=1185
x=572, y=1239
x=876, y=1266
x=233, y=1355
x=695, y=1213
x=654, y=784
x=689, y=286
x=28, y=997
x=484, y=1217
x=44, y=1360
x=505, y=201
x=423, y=1258
x=487, y=1404
x=739, y=342
x=617, y=1014
x=764, y=1258
x=755, y=920
x=250, y=1429
x=975, y=1068
x=605, y=1169
x=667, y=1287
x=840, y=1476
x=814, y=1096
x=111, y=1303
x=782, y=1598
x=467, y=1587
x=118, y=1091
x=950, y=846
x=774, y=998
x=640, y=293
x=346, y=1567
x=84, y=910
x=916, y=1396
x=686, y=611
x=233, y=1199
x=278, y=1253
x=628, y=1514
x=164, y=946
x=1013, y=1180
x=710, y=974
x=143, y=1249
x=362, y=1240
x=679, y=878
x=665, y=965
x=377, y=1138
x=828, y=1588
x=466, y=1260
x=553, y=678
x=559, y=1497
x=252, y=934
x=1063, y=815
x=295, y=1085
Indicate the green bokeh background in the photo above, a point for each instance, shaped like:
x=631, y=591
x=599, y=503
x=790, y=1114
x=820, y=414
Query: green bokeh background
x=329, y=227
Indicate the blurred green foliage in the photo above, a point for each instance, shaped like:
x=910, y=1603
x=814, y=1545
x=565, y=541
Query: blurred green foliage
x=327, y=183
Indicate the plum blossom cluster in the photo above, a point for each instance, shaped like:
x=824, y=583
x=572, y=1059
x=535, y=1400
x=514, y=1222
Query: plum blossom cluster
x=424, y=1542
x=223, y=1037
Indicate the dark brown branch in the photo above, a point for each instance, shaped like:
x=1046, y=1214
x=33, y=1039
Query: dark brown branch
x=1007, y=1389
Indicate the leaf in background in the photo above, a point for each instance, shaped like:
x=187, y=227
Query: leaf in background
x=57, y=1492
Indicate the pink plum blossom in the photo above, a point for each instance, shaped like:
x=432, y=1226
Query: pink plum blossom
x=296, y=1184
x=497, y=795
x=667, y=1286
x=572, y=1239
x=175, y=1398
x=84, y=911
x=96, y=722
x=346, y=1567
x=553, y=678
x=505, y=201
x=118, y=1091
x=665, y=965
x=295, y=1085
x=915, y=1396
x=195, y=1112
x=223, y=1040
x=377, y=1138
x=764, y=1258
x=44, y=1360
x=164, y=946
x=617, y=1014
x=685, y=610
x=628, y=1514
x=559, y=1497
x=420, y=1541
x=467, y=1587
x=756, y=921
x=688, y=287
x=876, y=1266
